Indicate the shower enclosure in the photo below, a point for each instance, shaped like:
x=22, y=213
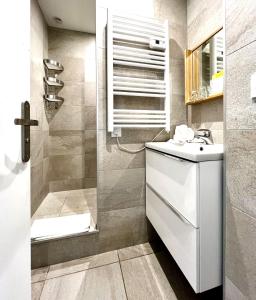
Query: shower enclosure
x=63, y=147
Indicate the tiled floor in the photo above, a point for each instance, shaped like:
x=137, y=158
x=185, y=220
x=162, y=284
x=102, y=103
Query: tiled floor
x=68, y=203
x=136, y=272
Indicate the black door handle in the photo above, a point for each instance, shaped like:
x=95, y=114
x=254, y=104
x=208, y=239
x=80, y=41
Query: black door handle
x=25, y=124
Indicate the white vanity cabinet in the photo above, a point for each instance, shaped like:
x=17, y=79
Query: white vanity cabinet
x=184, y=205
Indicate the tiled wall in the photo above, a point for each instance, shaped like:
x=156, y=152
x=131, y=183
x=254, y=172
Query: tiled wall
x=39, y=135
x=121, y=176
x=240, y=139
x=72, y=140
x=203, y=19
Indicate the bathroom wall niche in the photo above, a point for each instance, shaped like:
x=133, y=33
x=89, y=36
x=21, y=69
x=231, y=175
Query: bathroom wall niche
x=63, y=181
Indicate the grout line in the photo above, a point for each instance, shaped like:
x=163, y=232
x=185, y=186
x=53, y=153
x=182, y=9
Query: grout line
x=81, y=270
x=41, y=290
x=236, y=50
x=123, y=279
x=137, y=256
x=118, y=255
x=96, y=267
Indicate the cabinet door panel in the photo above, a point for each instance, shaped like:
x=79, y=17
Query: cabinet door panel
x=181, y=239
x=176, y=181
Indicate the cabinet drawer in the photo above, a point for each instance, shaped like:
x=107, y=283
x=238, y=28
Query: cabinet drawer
x=180, y=238
x=176, y=180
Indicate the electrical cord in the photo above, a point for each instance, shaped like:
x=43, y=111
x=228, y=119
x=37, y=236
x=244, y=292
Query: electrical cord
x=122, y=148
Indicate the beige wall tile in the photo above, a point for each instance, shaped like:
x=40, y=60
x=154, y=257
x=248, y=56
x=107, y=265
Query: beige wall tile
x=238, y=16
x=240, y=108
x=119, y=189
x=122, y=228
x=240, y=258
x=39, y=50
x=240, y=169
x=66, y=167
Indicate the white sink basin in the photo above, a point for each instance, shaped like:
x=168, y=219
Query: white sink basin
x=191, y=151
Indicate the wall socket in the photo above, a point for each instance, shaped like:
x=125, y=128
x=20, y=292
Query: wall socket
x=117, y=132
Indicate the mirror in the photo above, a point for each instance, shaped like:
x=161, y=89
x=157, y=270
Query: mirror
x=205, y=70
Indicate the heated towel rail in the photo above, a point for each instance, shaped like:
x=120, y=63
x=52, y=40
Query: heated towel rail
x=137, y=44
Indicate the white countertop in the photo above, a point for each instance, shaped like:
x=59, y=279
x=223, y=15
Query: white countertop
x=191, y=151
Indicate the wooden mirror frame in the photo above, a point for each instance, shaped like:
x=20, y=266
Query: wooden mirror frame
x=192, y=73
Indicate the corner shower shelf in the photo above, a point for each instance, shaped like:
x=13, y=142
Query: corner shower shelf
x=53, y=82
x=52, y=65
x=141, y=45
x=54, y=100
x=52, y=85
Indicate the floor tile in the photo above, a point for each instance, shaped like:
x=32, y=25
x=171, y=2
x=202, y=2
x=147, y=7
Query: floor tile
x=104, y=283
x=39, y=274
x=82, y=264
x=74, y=204
x=135, y=251
x=145, y=279
x=68, y=287
x=36, y=290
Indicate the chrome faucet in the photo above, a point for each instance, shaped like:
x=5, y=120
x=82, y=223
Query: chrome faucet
x=205, y=135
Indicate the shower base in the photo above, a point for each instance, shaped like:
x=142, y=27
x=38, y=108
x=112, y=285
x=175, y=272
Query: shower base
x=63, y=214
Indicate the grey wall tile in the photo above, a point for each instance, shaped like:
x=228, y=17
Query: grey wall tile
x=37, y=192
x=101, y=16
x=240, y=258
x=174, y=11
x=67, y=144
x=73, y=93
x=90, y=165
x=66, y=249
x=69, y=43
x=66, y=184
x=122, y=228
x=232, y=292
x=90, y=141
x=240, y=108
x=203, y=19
x=39, y=49
x=90, y=183
x=90, y=117
x=111, y=158
x=240, y=169
x=66, y=166
x=102, y=109
x=121, y=188
x=90, y=94
x=240, y=24
x=69, y=118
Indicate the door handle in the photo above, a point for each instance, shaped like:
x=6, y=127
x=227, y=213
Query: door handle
x=25, y=124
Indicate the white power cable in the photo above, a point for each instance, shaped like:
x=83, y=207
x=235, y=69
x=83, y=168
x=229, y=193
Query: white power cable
x=122, y=148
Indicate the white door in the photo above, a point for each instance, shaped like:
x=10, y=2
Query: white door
x=14, y=174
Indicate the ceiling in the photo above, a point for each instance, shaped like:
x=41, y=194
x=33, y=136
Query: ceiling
x=79, y=15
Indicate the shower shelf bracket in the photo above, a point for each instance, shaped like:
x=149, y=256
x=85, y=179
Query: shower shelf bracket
x=52, y=85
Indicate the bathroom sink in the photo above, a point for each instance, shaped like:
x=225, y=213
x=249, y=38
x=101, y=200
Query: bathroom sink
x=190, y=151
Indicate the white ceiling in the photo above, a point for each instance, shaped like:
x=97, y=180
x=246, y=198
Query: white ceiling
x=77, y=15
